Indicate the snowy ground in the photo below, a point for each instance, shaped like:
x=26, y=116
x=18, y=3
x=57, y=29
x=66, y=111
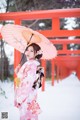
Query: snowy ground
x=61, y=102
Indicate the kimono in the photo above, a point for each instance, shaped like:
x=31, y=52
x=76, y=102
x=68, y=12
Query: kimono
x=25, y=93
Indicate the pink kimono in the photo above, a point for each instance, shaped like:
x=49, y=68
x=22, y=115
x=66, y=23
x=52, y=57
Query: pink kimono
x=25, y=94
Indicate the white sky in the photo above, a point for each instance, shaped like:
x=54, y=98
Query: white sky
x=70, y=23
x=9, y=50
x=2, y=6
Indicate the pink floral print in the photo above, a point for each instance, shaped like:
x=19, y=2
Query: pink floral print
x=25, y=95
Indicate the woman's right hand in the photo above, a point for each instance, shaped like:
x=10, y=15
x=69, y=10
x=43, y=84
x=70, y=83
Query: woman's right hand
x=17, y=68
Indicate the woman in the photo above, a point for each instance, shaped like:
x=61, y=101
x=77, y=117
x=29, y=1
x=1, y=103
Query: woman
x=29, y=74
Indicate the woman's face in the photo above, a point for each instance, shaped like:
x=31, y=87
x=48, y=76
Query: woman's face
x=30, y=53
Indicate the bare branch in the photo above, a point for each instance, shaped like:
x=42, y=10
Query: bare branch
x=16, y=5
x=33, y=23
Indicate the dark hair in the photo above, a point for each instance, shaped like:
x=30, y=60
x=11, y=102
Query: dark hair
x=36, y=48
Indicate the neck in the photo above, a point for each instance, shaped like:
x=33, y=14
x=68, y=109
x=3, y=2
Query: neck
x=31, y=59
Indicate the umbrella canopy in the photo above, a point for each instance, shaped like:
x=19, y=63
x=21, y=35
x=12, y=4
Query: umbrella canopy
x=20, y=37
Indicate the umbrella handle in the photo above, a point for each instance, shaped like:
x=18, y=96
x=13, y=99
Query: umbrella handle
x=30, y=38
x=26, y=48
x=22, y=57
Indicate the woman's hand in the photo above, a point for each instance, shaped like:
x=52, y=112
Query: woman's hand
x=17, y=68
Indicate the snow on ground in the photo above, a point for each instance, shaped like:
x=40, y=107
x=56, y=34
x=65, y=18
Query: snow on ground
x=7, y=101
x=58, y=102
x=61, y=102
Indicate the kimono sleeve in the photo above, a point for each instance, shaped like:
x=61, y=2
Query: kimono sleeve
x=26, y=84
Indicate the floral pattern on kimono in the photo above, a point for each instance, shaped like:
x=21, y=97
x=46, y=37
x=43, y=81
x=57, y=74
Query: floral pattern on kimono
x=25, y=95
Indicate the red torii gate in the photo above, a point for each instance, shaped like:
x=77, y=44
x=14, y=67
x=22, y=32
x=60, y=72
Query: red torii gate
x=65, y=64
